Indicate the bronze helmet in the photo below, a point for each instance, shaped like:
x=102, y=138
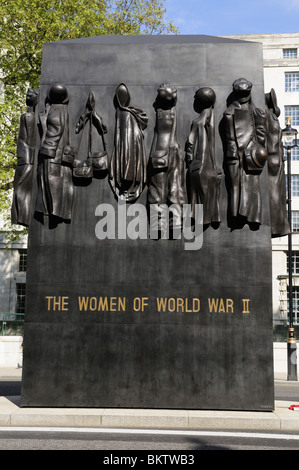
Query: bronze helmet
x=58, y=94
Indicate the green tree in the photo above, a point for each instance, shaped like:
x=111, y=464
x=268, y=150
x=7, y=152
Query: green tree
x=25, y=25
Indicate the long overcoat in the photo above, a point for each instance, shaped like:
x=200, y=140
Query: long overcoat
x=56, y=190
x=276, y=177
x=203, y=177
x=243, y=123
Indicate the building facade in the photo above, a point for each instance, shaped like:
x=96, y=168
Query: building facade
x=13, y=262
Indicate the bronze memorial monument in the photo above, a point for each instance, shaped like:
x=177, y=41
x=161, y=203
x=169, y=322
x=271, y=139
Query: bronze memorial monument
x=150, y=175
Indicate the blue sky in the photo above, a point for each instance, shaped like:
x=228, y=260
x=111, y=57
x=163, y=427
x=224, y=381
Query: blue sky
x=216, y=17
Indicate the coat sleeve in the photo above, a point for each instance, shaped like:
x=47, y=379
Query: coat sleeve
x=231, y=149
x=190, y=148
x=261, y=126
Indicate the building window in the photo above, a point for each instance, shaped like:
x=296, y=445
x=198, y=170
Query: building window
x=295, y=185
x=290, y=53
x=295, y=221
x=295, y=291
x=291, y=81
x=294, y=153
x=295, y=261
x=293, y=112
x=23, y=260
x=21, y=297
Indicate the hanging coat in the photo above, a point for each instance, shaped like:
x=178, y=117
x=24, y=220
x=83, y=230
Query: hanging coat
x=56, y=189
x=276, y=178
x=24, y=173
x=166, y=164
x=243, y=124
x=203, y=177
x=127, y=172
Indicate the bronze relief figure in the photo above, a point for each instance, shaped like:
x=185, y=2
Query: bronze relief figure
x=276, y=173
x=127, y=169
x=56, y=190
x=89, y=159
x=24, y=173
x=245, y=155
x=203, y=176
x=166, y=167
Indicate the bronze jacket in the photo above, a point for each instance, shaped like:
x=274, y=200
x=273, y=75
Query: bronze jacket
x=243, y=123
x=55, y=179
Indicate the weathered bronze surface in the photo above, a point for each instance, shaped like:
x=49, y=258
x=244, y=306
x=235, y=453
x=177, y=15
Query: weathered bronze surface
x=88, y=158
x=276, y=174
x=56, y=190
x=245, y=154
x=127, y=173
x=203, y=176
x=166, y=168
x=166, y=162
x=21, y=210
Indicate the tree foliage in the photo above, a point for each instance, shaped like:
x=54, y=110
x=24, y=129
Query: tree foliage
x=25, y=25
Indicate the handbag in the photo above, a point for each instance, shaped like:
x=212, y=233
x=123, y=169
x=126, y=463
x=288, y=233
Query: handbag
x=68, y=155
x=83, y=169
x=100, y=161
x=159, y=159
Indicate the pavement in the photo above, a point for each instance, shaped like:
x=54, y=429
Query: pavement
x=12, y=415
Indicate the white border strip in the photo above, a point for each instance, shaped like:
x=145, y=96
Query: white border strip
x=166, y=432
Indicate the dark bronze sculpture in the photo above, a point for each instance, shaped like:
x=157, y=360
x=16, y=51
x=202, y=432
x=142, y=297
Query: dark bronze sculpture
x=251, y=136
x=166, y=168
x=245, y=154
x=127, y=172
x=56, y=190
x=276, y=173
x=203, y=176
x=24, y=173
x=92, y=161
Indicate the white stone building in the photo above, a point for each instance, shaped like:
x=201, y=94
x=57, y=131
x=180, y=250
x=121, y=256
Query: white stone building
x=13, y=262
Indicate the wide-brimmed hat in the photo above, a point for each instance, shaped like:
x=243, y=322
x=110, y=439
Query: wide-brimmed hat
x=271, y=101
x=256, y=156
